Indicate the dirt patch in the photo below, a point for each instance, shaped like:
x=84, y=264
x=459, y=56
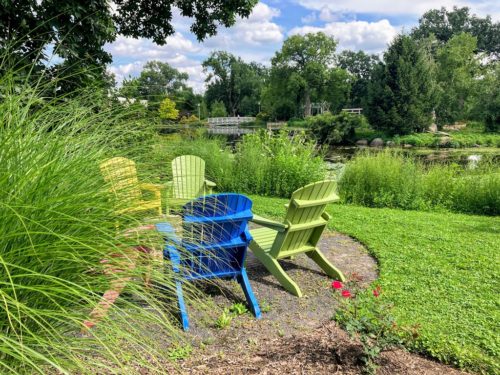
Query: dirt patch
x=295, y=335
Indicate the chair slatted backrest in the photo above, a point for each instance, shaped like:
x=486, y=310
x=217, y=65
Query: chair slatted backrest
x=215, y=229
x=121, y=174
x=305, y=219
x=188, y=175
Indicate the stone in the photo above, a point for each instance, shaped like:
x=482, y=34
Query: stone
x=362, y=142
x=377, y=142
x=444, y=141
x=433, y=128
x=390, y=144
x=406, y=145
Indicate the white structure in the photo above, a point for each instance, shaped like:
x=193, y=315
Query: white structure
x=356, y=111
x=223, y=121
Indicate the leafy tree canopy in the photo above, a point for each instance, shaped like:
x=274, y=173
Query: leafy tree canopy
x=457, y=71
x=78, y=30
x=237, y=83
x=305, y=60
x=444, y=24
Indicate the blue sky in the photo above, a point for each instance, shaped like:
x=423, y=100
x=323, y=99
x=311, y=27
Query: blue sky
x=367, y=25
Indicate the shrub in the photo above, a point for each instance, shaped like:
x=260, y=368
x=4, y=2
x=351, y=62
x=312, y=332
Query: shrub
x=262, y=117
x=334, y=129
x=297, y=123
x=366, y=317
x=276, y=165
x=263, y=163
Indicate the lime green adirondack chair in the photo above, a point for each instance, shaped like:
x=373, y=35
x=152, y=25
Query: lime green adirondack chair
x=121, y=175
x=188, y=180
x=301, y=231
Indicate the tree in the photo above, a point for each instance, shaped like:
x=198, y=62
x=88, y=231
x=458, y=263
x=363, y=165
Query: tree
x=156, y=81
x=305, y=61
x=78, y=30
x=487, y=105
x=167, y=110
x=237, y=83
x=360, y=65
x=218, y=109
x=457, y=71
x=444, y=24
x=402, y=93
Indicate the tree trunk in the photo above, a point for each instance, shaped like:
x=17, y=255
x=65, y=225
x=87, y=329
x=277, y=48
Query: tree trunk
x=307, y=103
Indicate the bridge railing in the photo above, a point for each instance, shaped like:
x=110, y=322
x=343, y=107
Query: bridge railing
x=222, y=121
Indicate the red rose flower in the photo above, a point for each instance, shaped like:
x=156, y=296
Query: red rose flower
x=346, y=293
x=337, y=285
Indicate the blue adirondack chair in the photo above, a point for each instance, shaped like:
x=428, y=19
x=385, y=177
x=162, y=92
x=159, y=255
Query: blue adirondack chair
x=214, y=244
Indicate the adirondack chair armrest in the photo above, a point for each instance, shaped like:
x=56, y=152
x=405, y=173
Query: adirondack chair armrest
x=155, y=188
x=303, y=203
x=280, y=227
x=210, y=184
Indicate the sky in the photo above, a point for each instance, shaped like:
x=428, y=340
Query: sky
x=367, y=25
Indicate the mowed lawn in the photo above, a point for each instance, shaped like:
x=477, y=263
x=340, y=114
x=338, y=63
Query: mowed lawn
x=441, y=271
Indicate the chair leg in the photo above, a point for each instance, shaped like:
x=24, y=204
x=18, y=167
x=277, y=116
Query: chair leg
x=275, y=268
x=182, y=305
x=325, y=265
x=247, y=289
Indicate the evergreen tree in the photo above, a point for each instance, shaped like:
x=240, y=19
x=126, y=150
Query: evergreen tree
x=402, y=91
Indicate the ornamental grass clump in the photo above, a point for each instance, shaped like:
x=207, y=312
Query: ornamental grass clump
x=60, y=237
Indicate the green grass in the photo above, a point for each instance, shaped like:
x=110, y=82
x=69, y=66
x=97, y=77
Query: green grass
x=439, y=269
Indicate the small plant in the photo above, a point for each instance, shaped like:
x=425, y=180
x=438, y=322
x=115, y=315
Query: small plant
x=238, y=309
x=367, y=317
x=265, y=306
x=178, y=352
x=224, y=320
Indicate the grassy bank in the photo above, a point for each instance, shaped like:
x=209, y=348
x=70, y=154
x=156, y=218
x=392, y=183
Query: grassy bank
x=472, y=136
x=439, y=269
x=388, y=179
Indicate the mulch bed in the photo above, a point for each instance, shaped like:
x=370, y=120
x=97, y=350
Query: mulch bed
x=295, y=335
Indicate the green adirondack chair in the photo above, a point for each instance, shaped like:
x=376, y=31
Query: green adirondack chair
x=188, y=181
x=301, y=231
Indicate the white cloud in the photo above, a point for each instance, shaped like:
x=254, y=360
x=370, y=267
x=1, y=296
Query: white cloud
x=310, y=18
x=371, y=37
x=400, y=7
x=122, y=71
x=144, y=48
x=257, y=29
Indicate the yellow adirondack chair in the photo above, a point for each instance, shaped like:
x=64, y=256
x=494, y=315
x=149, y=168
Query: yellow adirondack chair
x=300, y=232
x=121, y=174
x=188, y=180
